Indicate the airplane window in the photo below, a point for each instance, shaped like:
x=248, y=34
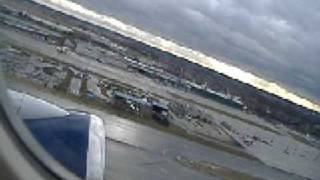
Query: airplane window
x=166, y=89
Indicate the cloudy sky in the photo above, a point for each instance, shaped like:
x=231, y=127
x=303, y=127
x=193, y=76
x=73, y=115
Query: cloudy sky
x=278, y=40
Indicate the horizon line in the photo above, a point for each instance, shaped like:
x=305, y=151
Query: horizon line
x=197, y=57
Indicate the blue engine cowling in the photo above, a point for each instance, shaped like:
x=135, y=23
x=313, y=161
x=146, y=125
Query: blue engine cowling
x=75, y=139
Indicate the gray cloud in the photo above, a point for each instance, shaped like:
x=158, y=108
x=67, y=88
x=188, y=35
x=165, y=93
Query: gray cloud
x=278, y=40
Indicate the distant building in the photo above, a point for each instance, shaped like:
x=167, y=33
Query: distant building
x=156, y=110
x=222, y=98
x=75, y=86
x=93, y=89
x=71, y=44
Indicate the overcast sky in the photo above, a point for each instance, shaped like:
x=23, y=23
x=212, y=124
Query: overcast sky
x=278, y=40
